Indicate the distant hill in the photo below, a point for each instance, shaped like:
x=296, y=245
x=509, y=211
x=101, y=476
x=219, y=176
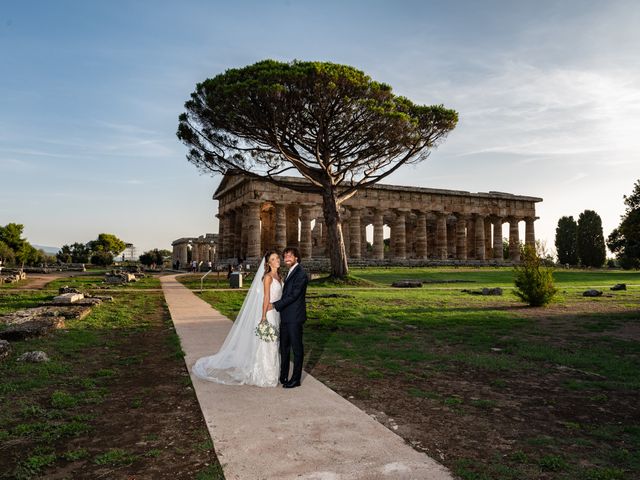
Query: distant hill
x=49, y=250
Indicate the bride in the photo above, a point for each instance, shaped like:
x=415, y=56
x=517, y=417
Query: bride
x=245, y=359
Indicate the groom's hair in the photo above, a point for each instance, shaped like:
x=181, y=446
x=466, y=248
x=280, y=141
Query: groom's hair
x=292, y=250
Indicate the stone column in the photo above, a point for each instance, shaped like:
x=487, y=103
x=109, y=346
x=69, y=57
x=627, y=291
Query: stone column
x=267, y=227
x=316, y=238
x=305, y=232
x=231, y=234
x=355, y=250
x=480, y=248
x=378, y=235
x=441, y=235
x=292, y=225
x=325, y=248
x=281, y=227
x=431, y=239
x=400, y=235
x=421, y=235
x=529, y=232
x=497, y=239
x=514, y=240
x=409, y=235
x=237, y=244
x=363, y=237
x=471, y=237
x=195, y=251
x=461, y=237
x=220, y=248
x=224, y=235
x=451, y=240
x=254, y=248
x=488, y=253
x=183, y=255
x=346, y=234
x=244, y=235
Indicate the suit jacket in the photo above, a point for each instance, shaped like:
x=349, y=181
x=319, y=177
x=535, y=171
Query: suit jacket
x=292, y=306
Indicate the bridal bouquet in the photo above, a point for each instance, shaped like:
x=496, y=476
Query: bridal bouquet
x=266, y=332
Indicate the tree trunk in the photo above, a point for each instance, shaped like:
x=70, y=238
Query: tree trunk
x=335, y=242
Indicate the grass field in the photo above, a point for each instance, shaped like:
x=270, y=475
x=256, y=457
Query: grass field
x=115, y=401
x=488, y=386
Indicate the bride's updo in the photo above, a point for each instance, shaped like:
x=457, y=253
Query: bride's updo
x=267, y=267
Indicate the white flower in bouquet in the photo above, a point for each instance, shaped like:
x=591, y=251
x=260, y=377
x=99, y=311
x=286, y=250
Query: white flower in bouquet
x=266, y=332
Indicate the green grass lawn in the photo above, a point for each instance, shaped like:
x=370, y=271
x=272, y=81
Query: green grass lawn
x=511, y=391
x=497, y=276
x=213, y=280
x=95, y=283
x=115, y=396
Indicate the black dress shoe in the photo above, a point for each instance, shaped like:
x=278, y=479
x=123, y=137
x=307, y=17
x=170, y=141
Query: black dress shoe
x=283, y=381
x=291, y=384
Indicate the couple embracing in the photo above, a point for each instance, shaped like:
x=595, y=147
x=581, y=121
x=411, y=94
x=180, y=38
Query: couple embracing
x=247, y=357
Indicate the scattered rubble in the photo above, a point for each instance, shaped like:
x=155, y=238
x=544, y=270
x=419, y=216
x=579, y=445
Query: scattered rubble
x=407, y=284
x=485, y=291
x=118, y=277
x=592, y=293
x=49, y=316
x=33, y=357
x=5, y=349
x=12, y=276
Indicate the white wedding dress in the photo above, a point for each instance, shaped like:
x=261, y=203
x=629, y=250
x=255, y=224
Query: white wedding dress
x=244, y=359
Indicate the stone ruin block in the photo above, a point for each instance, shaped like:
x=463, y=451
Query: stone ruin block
x=5, y=349
x=592, y=293
x=68, y=298
x=38, y=321
x=33, y=357
x=407, y=284
x=117, y=278
x=68, y=289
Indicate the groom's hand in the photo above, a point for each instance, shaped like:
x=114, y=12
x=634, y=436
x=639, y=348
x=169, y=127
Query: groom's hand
x=270, y=307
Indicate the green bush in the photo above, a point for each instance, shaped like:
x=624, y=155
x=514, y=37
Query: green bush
x=103, y=259
x=534, y=283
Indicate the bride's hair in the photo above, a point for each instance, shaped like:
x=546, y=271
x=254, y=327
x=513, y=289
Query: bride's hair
x=267, y=267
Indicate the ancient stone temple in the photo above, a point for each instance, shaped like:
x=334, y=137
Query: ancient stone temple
x=426, y=224
x=202, y=249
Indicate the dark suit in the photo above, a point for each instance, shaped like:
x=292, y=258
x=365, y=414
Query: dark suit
x=293, y=313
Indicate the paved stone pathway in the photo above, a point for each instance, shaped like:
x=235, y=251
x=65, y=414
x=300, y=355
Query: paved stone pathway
x=306, y=433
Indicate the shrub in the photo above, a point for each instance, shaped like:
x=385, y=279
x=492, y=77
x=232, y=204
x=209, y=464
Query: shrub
x=103, y=259
x=534, y=283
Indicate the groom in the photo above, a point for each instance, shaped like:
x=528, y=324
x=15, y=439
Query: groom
x=293, y=313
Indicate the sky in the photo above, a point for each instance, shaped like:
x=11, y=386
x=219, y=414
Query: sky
x=548, y=95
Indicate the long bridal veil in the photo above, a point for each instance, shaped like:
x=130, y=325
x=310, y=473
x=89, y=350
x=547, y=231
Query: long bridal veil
x=233, y=363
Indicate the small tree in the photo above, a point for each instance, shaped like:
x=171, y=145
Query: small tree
x=154, y=257
x=534, y=283
x=75, y=253
x=11, y=235
x=591, y=249
x=107, y=242
x=567, y=241
x=6, y=253
x=624, y=241
x=103, y=259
